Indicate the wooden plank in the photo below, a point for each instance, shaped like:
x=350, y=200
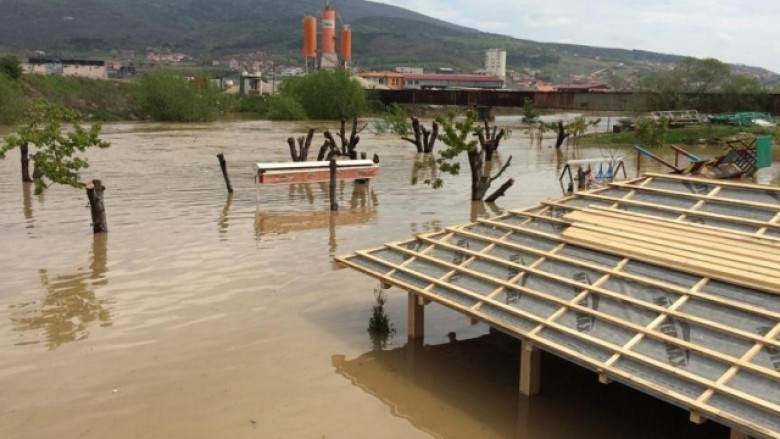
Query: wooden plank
x=718, y=256
x=678, y=226
x=634, y=249
x=313, y=176
x=682, y=211
x=688, y=233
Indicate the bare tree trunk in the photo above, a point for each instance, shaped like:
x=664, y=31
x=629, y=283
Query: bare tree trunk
x=223, y=166
x=480, y=174
x=25, y=163
x=97, y=208
x=432, y=140
x=424, y=139
x=562, y=135
x=304, y=145
x=293, y=150
x=323, y=151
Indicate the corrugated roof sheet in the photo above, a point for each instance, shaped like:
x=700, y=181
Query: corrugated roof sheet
x=694, y=335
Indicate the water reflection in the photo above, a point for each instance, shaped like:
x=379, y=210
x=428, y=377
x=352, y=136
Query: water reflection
x=27, y=209
x=468, y=389
x=361, y=209
x=224, y=219
x=70, y=306
x=424, y=168
x=481, y=209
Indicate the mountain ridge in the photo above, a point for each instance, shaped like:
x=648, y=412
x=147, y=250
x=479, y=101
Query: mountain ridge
x=384, y=36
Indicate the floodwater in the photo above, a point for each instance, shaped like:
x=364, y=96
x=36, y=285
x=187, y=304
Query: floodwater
x=203, y=315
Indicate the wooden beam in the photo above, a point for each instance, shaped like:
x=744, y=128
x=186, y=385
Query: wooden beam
x=577, y=356
x=416, y=317
x=530, y=369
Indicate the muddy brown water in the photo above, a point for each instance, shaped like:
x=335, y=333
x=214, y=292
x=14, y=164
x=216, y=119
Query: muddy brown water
x=201, y=315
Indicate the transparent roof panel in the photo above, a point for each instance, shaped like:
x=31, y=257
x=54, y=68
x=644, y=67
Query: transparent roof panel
x=664, y=200
x=738, y=211
x=758, y=196
x=680, y=186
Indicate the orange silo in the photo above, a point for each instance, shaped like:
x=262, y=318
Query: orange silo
x=328, y=30
x=309, y=36
x=346, y=42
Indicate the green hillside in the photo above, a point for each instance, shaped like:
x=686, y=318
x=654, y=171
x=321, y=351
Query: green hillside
x=384, y=35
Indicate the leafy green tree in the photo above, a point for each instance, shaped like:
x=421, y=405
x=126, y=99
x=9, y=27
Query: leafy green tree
x=167, y=97
x=651, y=133
x=57, y=156
x=394, y=120
x=12, y=101
x=327, y=94
x=282, y=107
x=11, y=67
x=530, y=113
x=458, y=135
x=703, y=84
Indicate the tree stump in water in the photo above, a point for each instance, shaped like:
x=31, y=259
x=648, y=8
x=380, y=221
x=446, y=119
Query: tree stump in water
x=223, y=165
x=300, y=153
x=97, y=208
x=25, y=163
x=424, y=139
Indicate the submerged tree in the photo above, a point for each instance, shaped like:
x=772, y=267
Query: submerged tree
x=458, y=136
x=57, y=156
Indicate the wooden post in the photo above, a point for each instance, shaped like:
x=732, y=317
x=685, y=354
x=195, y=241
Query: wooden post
x=334, y=206
x=97, y=208
x=293, y=151
x=530, y=369
x=223, y=165
x=736, y=434
x=25, y=163
x=416, y=318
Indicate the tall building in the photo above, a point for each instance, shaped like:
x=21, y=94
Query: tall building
x=495, y=63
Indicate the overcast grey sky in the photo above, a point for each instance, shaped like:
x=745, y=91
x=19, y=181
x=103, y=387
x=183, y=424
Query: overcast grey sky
x=734, y=31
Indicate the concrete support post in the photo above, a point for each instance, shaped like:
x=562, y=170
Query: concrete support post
x=416, y=317
x=530, y=369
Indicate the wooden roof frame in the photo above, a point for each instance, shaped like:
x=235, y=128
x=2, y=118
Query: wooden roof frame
x=420, y=249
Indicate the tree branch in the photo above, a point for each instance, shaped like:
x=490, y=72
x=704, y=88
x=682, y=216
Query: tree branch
x=506, y=165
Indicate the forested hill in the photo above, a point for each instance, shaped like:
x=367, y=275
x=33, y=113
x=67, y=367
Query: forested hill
x=384, y=35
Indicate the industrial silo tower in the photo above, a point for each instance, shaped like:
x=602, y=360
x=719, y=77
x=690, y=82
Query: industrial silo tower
x=329, y=59
x=310, y=40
